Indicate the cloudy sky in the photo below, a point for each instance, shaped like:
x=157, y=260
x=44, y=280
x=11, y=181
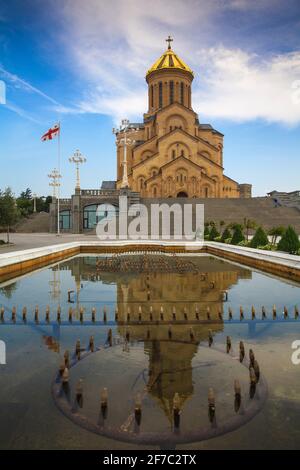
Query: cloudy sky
x=84, y=63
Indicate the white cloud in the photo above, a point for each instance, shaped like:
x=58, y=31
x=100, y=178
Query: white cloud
x=242, y=87
x=21, y=112
x=18, y=82
x=112, y=44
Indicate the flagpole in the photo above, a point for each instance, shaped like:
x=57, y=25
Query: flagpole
x=58, y=192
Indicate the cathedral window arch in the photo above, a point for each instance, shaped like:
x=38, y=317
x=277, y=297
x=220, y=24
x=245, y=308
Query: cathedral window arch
x=206, y=191
x=182, y=93
x=141, y=183
x=153, y=171
x=151, y=96
x=194, y=184
x=169, y=184
x=171, y=91
x=176, y=121
x=160, y=94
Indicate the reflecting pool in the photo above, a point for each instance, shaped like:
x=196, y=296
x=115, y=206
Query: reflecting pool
x=161, y=310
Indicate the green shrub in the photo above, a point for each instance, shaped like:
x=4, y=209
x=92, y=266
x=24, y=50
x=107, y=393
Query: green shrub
x=289, y=241
x=206, y=230
x=260, y=238
x=213, y=233
x=237, y=236
x=218, y=239
x=228, y=241
x=276, y=232
x=243, y=243
x=267, y=247
x=226, y=234
x=2, y=242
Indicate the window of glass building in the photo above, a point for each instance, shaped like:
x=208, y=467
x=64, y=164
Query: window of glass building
x=65, y=220
x=91, y=216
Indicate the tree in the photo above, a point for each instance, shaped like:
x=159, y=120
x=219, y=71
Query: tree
x=27, y=194
x=8, y=290
x=248, y=225
x=225, y=235
x=206, y=229
x=289, y=241
x=213, y=233
x=24, y=205
x=48, y=201
x=276, y=232
x=238, y=235
x=9, y=213
x=260, y=238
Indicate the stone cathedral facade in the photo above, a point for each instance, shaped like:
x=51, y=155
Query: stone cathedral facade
x=174, y=154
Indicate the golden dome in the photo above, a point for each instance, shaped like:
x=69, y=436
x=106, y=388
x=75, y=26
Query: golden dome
x=169, y=60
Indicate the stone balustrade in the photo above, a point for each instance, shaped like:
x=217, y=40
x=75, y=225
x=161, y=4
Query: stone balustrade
x=99, y=192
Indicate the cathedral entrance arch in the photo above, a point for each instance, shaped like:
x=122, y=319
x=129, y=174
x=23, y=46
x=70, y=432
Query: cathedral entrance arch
x=182, y=194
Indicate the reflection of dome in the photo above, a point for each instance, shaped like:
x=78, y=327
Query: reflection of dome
x=170, y=372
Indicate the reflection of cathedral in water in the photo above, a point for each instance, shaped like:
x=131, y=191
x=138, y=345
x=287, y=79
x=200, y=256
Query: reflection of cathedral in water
x=170, y=362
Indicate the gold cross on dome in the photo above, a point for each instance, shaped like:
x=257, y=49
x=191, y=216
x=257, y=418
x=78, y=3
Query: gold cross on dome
x=169, y=40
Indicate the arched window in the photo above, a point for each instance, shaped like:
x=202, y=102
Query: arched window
x=155, y=191
x=173, y=154
x=151, y=96
x=181, y=93
x=160, y=94
x=141, y=184
x=182, y=153
x=171, y=91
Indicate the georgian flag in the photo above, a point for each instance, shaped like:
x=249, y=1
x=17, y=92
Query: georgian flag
x=53, y=132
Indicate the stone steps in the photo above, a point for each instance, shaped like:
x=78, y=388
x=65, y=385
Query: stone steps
x=260, y=209
x=35, y=223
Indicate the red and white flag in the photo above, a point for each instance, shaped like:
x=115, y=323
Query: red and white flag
x=53, y=132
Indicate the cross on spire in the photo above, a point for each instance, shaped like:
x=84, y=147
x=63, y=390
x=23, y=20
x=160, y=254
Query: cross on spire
x=169, y=40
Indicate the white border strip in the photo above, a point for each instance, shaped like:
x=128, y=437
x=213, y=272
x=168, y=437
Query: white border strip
x=292, y=261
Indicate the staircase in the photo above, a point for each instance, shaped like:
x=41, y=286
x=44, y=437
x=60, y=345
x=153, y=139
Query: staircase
x=261, y=209
x=134, y=197
x=291, y=199
x=35, y=223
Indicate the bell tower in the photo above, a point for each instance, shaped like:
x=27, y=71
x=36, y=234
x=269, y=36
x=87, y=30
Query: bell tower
x=169, y=81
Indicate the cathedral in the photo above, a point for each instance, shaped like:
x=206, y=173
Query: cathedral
x=171, y=153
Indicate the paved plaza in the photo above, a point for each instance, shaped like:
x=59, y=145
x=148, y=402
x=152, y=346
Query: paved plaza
x=24, y=241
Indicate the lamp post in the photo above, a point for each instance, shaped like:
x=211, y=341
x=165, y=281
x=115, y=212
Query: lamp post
x=125, y=129
x=78, y=159
x=54, y=177
x=34, y=202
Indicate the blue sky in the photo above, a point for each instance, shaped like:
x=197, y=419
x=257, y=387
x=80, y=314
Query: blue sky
x=84, y=63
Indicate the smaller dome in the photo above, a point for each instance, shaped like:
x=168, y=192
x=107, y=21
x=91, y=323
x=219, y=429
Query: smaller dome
x=169, y=60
